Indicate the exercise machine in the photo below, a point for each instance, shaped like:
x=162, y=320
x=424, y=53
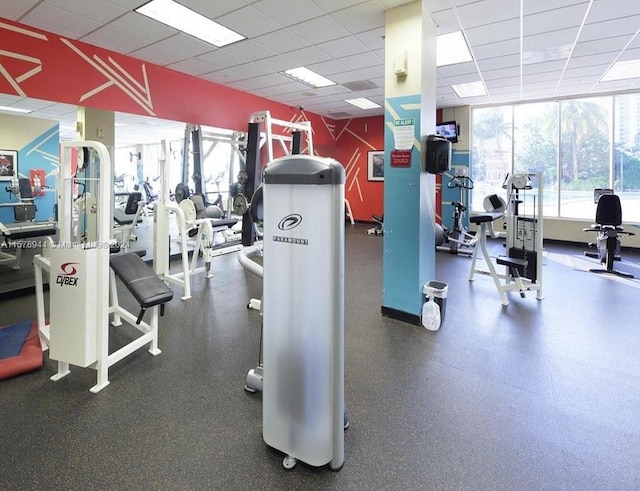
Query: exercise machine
x=82, y=274
x=378, y=229
x=523, y=238
x=17, y=235
x=303, y=310
x=458, y=240
x=194, y=226
x=608, y=226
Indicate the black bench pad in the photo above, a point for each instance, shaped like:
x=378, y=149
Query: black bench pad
x=121, y=218
x=223, y=222
x=140, y=280
x=512, y=262
x=489, y=216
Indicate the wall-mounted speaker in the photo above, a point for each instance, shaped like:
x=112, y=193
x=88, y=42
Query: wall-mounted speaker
x=436, y=154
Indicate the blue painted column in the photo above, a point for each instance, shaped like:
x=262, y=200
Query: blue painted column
x=409, y=193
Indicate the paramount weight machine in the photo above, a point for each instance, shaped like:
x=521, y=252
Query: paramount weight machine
x=524, y=238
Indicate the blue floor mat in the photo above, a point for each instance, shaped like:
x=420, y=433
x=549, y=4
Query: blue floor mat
x=12, y=338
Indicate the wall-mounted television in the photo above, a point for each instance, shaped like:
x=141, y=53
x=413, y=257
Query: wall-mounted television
x=449, y=130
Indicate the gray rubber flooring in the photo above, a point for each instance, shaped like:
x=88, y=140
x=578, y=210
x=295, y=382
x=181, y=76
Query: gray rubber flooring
x=537, y=395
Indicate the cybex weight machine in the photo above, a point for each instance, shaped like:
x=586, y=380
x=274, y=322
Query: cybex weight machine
x=523, y=221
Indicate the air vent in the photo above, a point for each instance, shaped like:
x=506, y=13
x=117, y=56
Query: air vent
x=360, y=85
x=309, y=94
x=341, y=115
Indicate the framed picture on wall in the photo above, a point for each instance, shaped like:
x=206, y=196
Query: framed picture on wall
x=376, y=166
x=8, y=165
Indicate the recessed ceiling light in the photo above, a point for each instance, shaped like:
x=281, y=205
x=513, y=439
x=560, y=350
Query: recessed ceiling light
x=362, y=103
x=308, y=77
x=15, y=110
x=188, y=21
x=622, y=70
x=472, y=89
x=452, y=48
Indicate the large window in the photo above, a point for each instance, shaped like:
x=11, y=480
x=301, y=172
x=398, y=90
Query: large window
x=577, y=144
x=492, y=155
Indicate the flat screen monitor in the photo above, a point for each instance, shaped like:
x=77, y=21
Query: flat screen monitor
x=448, y=130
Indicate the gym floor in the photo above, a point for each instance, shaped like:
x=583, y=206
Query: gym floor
x=537, y=395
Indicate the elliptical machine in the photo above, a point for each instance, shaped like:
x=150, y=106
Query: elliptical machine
x=458, y=240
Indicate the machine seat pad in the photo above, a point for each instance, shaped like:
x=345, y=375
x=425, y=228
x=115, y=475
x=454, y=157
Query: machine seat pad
x=31, y=230
x=223, y=222
x=512, y=262
x=121, y=218
x=140, y=280
x=488, y=216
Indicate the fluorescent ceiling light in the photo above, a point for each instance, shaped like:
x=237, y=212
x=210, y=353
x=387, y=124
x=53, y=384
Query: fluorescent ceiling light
x=452, y=48
x=306, y=76
x=622, y=70
x=186, y=20
x=15, y=110
x=472, y=89
x=362, y=103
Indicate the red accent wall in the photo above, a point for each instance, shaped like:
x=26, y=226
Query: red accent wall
x=355, y=138
x=47, y=66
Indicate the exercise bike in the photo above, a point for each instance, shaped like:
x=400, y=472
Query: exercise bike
x=458, y=240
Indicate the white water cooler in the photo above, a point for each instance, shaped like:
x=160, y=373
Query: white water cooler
x=303, y=310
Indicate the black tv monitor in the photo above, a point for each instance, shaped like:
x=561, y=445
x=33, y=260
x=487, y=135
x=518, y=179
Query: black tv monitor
x=448, y=130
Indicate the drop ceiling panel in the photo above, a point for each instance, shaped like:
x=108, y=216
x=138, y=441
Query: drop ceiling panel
x=362, y=60
x=249, y=50
x=549, y=42
x=361, y=17
x=192, y=66
x=478, y=13
x=157, y=54
x=276, y=90
x=603, y=10
x=249, y=22
x=14, y=10
x=187, y=45
x=554, y=20
x=619, y=27
x=501, y=74
x=496, y=31
x=277, y=63
x=59, y=21
x=214, y=8
x=498, y=62
x=372, y=72
x=329, y=67
x=349, y=45
x=115, y=40
x=143, y=27
x=590, y=48
x=264, y=81
x=372, y=39
x=220, y=59
x=320, y=30
x=549, y=5
x=500, y=82
x=288, y=13
x=329, y=6
x=457, y=69
x=96, y=10
x=502, y=48
x=308, y=55
x=281, y=41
